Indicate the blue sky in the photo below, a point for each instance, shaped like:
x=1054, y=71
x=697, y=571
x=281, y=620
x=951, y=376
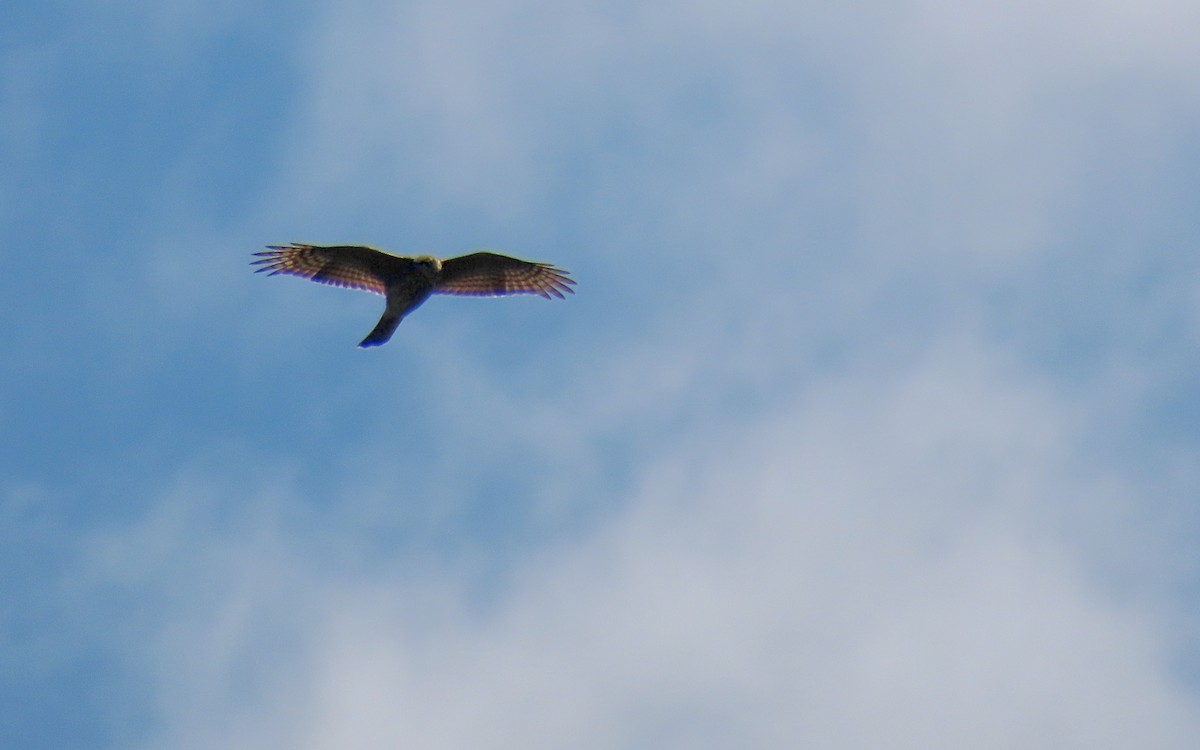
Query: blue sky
x=873, y=422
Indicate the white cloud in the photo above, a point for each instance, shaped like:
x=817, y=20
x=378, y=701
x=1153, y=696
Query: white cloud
x=870, y=567
x=682, y=134
x=847, y=517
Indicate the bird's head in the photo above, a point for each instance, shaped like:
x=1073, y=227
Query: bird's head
x=428, y=264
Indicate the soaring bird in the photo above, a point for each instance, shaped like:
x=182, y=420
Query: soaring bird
x=407, y=282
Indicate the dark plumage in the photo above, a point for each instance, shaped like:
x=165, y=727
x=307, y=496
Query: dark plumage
x=407, y=282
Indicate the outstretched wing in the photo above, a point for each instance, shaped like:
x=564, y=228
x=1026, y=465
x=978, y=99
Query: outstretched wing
x=349, y=266
x=491, y=275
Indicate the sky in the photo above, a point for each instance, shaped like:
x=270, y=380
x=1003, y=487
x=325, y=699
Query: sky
x=874, y=421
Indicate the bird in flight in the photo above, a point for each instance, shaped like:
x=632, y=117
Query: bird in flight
x=407, y=282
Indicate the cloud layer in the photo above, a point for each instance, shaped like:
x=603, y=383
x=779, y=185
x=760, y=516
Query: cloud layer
x=864, y=429
x=884, y=561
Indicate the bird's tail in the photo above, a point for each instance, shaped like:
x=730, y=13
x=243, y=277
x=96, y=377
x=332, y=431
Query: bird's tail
x=383, y=330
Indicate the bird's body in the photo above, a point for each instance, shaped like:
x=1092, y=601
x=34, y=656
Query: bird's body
x=407, y=282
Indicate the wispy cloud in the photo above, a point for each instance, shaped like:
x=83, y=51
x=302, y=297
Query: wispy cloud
x=879, y=562
x=850, y=438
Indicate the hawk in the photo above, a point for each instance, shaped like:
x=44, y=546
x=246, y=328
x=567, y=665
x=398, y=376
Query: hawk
x=407, y=282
